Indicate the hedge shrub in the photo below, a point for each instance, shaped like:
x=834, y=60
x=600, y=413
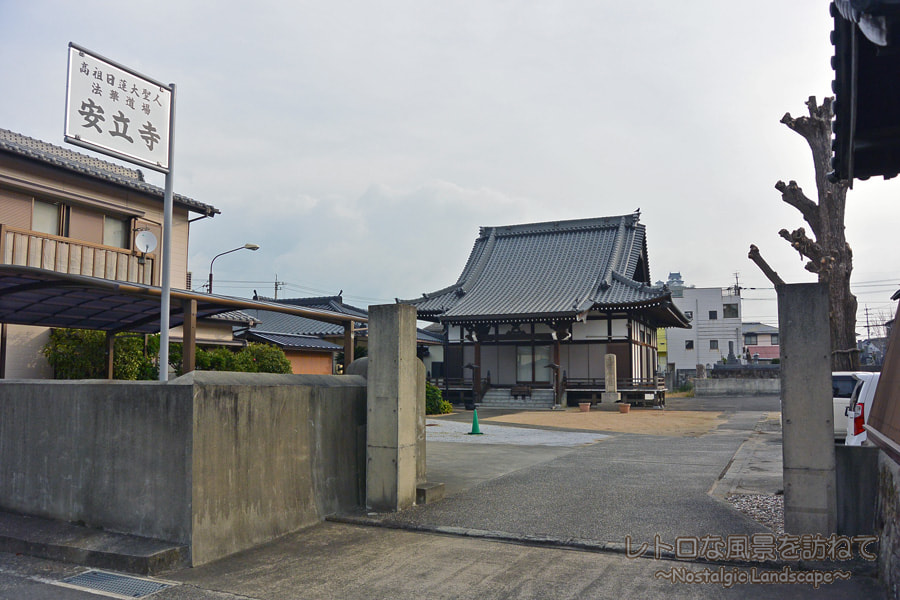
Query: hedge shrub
x=81, y=354
x=434, y=401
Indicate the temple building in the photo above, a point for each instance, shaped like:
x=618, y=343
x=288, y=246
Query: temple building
x=538, y=307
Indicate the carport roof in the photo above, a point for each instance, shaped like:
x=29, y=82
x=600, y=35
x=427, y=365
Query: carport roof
x=31, y=296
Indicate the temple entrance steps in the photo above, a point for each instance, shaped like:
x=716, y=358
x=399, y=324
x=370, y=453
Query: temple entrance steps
x=503, y=398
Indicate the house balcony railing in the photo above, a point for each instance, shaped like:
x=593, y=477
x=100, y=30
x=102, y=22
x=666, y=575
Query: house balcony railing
x=27, y=248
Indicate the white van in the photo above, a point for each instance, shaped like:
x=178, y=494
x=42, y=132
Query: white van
x=860, y=407
x=842, y=385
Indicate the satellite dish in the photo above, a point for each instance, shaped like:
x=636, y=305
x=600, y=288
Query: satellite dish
x=145, y=241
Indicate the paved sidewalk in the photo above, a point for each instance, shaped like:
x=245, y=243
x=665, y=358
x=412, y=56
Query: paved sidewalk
x=346, y=562
x=625, y=484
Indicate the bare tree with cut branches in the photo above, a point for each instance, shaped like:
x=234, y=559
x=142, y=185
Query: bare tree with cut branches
x=828, y=254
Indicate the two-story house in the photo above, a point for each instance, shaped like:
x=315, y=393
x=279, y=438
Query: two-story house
x=70, y=257
x=760, y=342
x=68, y=212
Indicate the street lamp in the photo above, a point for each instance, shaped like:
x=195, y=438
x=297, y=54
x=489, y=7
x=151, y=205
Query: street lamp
x=253, y=247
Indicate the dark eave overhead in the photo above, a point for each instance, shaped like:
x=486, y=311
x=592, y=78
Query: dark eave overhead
x=82, y=164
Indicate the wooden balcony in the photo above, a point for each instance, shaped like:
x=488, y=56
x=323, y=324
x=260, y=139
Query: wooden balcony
x=27, y=248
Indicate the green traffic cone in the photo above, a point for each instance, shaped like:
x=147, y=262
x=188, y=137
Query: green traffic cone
x=475, y=429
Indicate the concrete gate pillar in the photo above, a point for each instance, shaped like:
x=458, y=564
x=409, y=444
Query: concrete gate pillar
x=810, y=500
x=391, y=407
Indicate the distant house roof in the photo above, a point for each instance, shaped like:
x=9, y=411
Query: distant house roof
x=332, y=303
x=274, y=322
x=555, y=269
x=82, y=164
x=757, y=328
x=429, y=337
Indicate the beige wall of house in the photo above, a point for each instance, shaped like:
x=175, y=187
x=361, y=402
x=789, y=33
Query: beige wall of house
x=208, y=332
x=99, y=214
x=24, y=357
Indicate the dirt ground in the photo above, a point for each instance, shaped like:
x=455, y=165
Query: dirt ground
x=638, y=420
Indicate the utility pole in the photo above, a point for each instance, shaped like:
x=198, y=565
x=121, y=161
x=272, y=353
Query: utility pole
x=278, y=285
x=868, y=333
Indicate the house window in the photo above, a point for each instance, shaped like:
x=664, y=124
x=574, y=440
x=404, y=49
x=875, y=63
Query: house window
x=713, y=344
x=713, y=315
x=750, y=339
x=45, y=218
x=115, y=231
x=730, y=311
x=688, y=344
x=774, y=338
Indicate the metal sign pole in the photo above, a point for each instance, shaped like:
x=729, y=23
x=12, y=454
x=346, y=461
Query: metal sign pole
x=167, y=251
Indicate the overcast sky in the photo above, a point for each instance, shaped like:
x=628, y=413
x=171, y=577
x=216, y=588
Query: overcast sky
x=362, y=144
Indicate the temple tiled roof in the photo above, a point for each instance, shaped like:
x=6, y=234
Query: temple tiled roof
x=82, y=164
x=552, y=270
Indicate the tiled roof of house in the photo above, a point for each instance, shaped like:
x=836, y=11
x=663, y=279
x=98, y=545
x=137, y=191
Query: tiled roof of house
x=286, y=340
x=553, y=269
x=82, y=164
x=429, y=337
x=234, y=316
x=291, y=324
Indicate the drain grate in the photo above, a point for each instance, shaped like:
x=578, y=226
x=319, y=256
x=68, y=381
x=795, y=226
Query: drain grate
x=122, y=585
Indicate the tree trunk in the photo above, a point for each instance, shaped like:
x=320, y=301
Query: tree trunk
x=829, y=254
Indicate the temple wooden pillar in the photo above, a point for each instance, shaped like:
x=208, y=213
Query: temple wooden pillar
x=557, y=392
x=476, y=370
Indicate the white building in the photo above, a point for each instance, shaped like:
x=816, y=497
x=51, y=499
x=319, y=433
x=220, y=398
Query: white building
x=715, y=333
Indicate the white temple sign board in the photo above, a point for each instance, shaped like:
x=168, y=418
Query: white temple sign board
x=113, y=109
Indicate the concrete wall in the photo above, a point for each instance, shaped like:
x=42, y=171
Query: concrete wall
x=737, y=387
x=856, y=473
x=887, y=524
x=109, y=454
x=217, y=461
